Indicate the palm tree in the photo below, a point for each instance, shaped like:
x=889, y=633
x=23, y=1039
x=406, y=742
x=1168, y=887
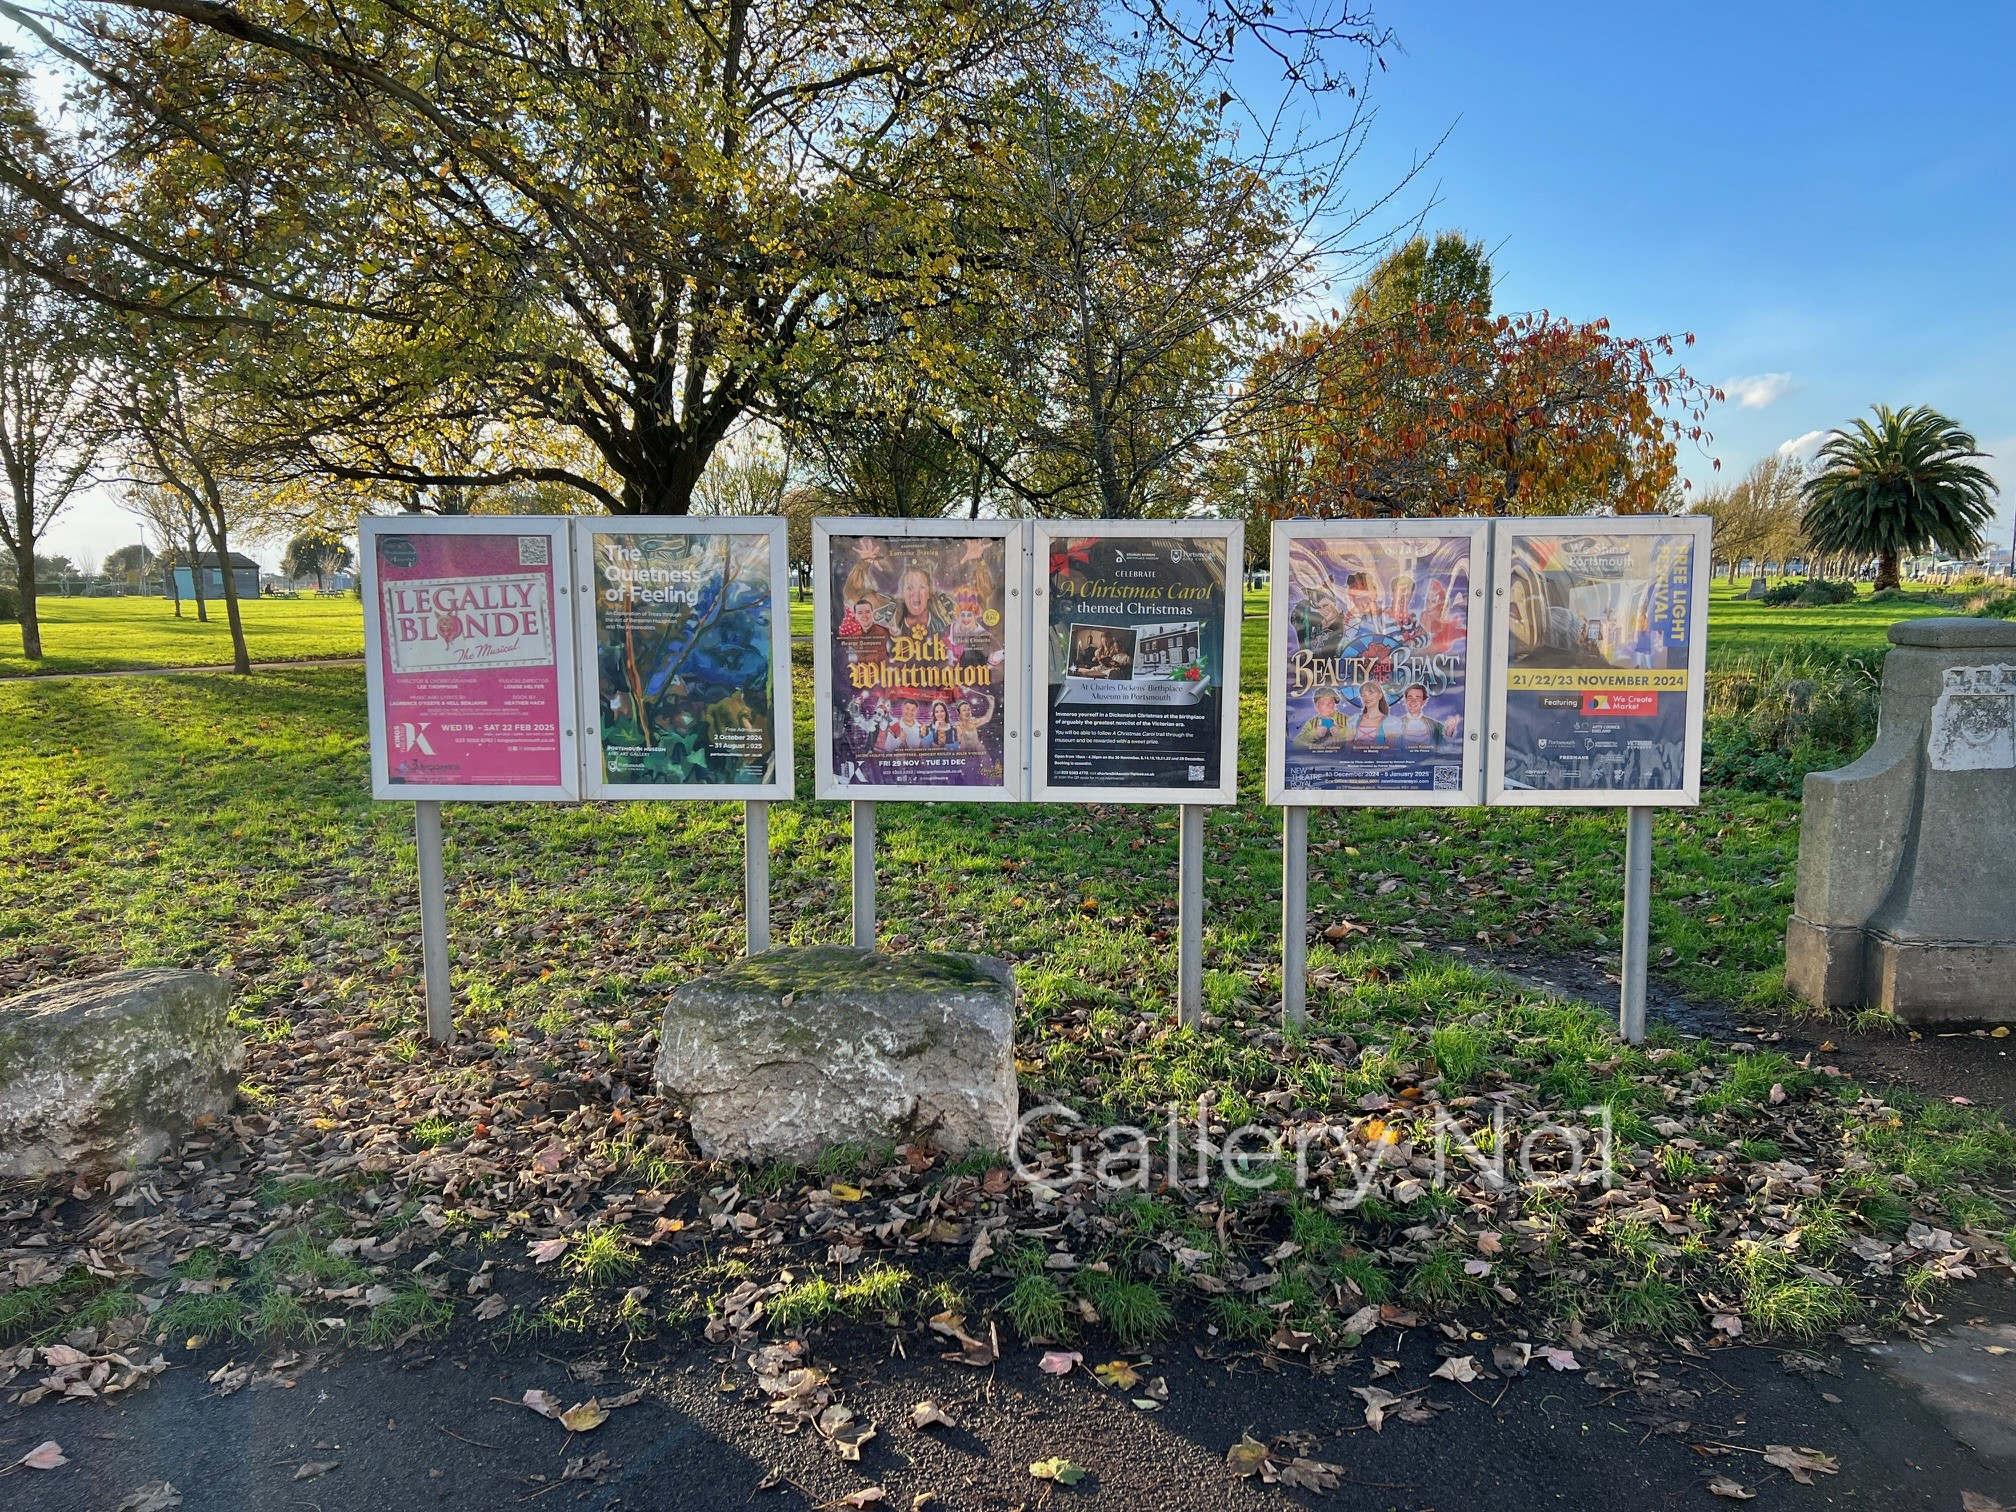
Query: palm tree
x=1894, y=488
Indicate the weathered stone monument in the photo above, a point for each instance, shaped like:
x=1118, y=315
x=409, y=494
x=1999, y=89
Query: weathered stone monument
x=110, y=1071
x=1907, y=857
x=790, y=1051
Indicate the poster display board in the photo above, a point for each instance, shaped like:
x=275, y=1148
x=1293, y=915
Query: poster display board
x=919, y=658
x=1138, y=672
x=684, y=632
x=1375, y=677
x=1599, y=650
x=469, y=657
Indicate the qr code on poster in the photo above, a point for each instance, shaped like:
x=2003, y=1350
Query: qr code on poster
x=533, y=551
x=1448, y=778
x=1196, y=772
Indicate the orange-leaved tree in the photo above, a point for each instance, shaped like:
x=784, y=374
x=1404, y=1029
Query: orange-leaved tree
x=1419, y=400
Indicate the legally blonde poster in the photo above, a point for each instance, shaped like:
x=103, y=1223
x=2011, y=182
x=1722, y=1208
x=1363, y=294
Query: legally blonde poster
x=468, y=680
x=917, y=660
x=1376, y=663
x=683, y=678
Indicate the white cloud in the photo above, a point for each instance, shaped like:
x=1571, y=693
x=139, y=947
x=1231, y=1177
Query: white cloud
x=1802, y=448
x=1758, y=390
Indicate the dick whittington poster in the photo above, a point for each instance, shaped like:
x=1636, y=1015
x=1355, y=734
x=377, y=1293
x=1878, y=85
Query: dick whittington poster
x=917, y=661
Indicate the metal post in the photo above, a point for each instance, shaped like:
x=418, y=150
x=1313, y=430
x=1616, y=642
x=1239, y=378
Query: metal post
x=1190, y=917
x=756, y=874
x=1637, y=919
x=433, y=919
x=864, y=875
x=1294, y=915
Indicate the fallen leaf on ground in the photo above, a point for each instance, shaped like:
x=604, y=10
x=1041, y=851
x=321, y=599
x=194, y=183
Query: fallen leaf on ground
x=1729, y=1490
x=929, y=1414
x=1057, y=1469
x=1511, y=1359
x=1060, y=1361
x=1974, y=1501
x=1800, y=1463
x=314, y=1469
x=155, y=1496
x=1311, y=1475
x=1456, y=1368
x=1559, y=1358
x=975, y=1352
x=544, y=1251
x=46, y=1455
x=1378, y=1402
x=1361, y=1323
x=1246, y=1456
x=845, y=1431
x=867, y=1496
x=583, y=1416
x=1117, y=1373
x=542, y=1402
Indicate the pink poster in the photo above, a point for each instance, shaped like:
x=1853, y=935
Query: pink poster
x=469, y=658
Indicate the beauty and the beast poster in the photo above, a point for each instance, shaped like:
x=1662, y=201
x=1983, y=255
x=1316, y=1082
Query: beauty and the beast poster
x=683, y=637
x=1377, y=660
x=917, y=660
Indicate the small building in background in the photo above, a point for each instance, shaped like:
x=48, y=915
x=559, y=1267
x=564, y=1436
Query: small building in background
x=244, y=572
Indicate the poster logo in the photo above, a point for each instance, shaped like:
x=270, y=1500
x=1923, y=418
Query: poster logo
x=1629, y=705
x=453, y=624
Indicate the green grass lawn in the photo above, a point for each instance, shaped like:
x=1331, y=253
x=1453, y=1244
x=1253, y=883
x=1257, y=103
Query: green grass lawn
x=222, y=822
x=226, y=823
x=1741, y=628
x=111, y=634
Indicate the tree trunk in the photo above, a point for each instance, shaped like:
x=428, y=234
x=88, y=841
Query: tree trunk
x=175, y=590
x=213, y=522
x=196, y=577
x=1889, y=571
x=24, y=587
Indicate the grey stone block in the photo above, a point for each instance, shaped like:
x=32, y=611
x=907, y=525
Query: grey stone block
x=788, y=1052
x=110, y=1071
x=1954, y=632
x=1907, y=856
x=1942, y=982
x=1823, y=966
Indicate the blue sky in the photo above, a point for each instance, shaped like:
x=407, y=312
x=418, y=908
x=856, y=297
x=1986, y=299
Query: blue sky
x=1824, y=194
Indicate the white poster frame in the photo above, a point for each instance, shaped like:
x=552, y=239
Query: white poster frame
x=560, y=556
x=1014, y=534
x=593, y=783
x=1476, y=673
x=1505, y=534
x=1232, y=533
